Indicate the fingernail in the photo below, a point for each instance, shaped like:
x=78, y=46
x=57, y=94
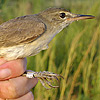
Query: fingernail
x=5, y=73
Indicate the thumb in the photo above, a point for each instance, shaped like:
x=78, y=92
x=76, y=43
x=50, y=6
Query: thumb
x=10, y=69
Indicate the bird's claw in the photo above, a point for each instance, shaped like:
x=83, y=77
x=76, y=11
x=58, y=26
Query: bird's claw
x=45, y=77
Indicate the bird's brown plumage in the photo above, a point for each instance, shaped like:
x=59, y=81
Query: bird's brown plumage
x=26, y=28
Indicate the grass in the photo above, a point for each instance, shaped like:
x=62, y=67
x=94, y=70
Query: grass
x=73, y=53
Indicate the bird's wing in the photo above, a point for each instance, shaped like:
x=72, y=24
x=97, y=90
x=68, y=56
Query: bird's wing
x=23, y=29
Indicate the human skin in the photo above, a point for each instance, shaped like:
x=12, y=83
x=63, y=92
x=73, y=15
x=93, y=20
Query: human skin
x=13, y=86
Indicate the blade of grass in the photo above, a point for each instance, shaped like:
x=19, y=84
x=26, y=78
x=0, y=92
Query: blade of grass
x=95, y=36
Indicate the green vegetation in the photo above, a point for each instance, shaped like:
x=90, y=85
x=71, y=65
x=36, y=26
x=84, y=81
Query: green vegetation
x=73, y=53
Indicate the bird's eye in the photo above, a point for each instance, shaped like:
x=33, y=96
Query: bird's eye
x=62, y=15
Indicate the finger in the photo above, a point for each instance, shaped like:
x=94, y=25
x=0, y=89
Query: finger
x=16, y=87
x=28, y=96
x=12, y=68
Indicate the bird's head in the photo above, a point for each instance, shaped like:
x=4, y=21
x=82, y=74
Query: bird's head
x=62, y=17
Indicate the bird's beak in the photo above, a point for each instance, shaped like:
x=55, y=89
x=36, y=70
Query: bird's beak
x=74, y=17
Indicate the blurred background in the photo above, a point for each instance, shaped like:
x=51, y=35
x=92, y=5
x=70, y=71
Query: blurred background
x=74, y=53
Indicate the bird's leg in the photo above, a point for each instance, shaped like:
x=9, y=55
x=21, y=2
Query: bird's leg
x=45, y=77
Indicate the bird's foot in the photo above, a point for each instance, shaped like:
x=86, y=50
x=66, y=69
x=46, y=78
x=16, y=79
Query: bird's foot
x=45, y=77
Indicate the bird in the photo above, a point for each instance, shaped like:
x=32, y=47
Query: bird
x=28, y=35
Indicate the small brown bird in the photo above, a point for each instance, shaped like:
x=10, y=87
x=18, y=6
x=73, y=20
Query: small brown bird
x=27, y=35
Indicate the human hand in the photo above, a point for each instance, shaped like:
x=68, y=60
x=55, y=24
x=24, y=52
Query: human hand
x=12, y=85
